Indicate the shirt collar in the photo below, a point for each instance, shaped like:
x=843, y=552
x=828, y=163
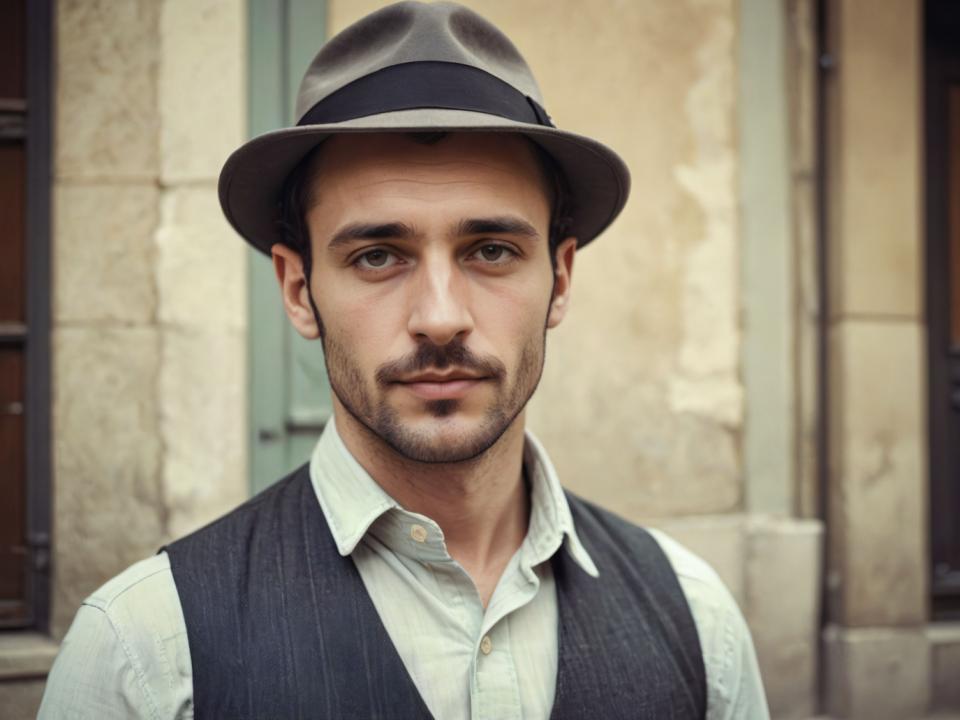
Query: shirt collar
x=551, y=522
x=352, y=501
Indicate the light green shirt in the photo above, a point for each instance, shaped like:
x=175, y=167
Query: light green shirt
x=126, y=654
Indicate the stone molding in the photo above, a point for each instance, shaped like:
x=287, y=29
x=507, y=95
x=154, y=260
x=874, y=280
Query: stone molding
x=26, y=655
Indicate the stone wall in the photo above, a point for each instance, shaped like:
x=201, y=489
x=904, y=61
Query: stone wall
x=878, y=652
x=149, y=284
x=149, y=292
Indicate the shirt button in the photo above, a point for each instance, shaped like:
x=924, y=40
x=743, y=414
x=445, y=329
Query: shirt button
x=486, y=645
x=418, y=533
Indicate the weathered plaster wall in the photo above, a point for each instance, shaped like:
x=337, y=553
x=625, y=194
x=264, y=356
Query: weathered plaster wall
x=641, y=403
x=149, y=285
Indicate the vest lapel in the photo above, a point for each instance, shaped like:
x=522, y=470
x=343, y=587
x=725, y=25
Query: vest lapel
x=591, y=668
x=627, y=645
x=279, y=624
x=365, y=676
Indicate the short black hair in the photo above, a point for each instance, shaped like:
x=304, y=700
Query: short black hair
x=295, y=201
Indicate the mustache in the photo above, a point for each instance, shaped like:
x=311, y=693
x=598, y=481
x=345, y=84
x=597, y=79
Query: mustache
x=439, y=357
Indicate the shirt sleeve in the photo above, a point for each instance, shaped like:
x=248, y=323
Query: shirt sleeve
x=734, y=686
x=738, y=688
x=126, y=654
x=93, y=675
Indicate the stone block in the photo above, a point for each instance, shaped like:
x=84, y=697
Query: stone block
x=201, y=262
x=26, y=655
x=782, y=580
x=944, y=641
x=718, y=539
x=203, y=386
x=20, y=699
x=876, y=212
x=878, y=474
x=106, y=90
x=876, y=673
x=202, y=86
x=104, y=252
x=109, y=508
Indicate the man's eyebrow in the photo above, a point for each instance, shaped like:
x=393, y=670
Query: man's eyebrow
x=370, y=231
x=505, y=225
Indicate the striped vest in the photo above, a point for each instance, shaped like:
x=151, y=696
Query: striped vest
x=280, y=625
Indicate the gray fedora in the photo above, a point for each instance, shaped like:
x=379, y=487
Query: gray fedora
x=414, y=67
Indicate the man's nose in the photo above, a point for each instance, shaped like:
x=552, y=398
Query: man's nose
x=439, y=309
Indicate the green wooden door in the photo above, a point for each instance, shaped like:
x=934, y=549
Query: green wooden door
x=289, y=395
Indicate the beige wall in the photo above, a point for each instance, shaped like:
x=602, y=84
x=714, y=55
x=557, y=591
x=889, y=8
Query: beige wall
x=149, y=293
x=149, y=284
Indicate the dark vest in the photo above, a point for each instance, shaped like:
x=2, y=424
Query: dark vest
x=281, y=626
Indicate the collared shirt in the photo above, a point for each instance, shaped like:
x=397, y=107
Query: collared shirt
x=127, y=655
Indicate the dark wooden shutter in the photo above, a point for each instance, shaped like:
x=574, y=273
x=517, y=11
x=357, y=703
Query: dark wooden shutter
x=24, y=311
x=943, y=298
x=14, y=576
x=289, y=395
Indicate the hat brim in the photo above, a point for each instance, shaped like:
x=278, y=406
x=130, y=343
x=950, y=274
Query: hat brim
x=252, y=178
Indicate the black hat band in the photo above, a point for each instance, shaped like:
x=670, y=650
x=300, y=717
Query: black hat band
x=426, y=84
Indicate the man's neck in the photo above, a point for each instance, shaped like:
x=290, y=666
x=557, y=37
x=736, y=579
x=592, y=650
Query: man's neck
x=481, y=505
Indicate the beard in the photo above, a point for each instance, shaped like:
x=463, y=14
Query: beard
x=371, y=407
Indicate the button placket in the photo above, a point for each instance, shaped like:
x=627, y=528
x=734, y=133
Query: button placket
x=495, y=692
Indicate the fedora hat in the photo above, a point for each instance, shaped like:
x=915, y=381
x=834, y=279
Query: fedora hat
x=418, y=67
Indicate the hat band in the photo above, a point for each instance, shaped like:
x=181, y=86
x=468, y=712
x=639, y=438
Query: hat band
x=426, y=84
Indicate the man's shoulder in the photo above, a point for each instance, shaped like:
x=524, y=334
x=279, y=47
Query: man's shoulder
x=733, y=678
x=705, y=592
x=126, y=653
x=686, y=564
x=592, y=519
x=150, y=581
x=140, y=604
x=689, y=567
x=146, y=580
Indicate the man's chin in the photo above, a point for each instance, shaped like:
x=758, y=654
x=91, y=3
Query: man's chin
x=442, y=439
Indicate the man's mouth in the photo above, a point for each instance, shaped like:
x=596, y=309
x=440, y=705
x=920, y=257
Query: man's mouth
x=451, y=385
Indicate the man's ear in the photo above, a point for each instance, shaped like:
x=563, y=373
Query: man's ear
x=293, y=289
x=563, y=274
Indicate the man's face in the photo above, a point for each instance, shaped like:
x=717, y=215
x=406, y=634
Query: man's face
x=432, y=276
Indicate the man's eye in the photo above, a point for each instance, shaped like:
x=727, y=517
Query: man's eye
x=495, y=253
x=378, y=259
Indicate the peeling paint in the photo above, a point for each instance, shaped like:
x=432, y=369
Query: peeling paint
x=706, y=380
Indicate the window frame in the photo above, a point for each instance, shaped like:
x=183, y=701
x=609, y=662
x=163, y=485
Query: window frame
x=942, y=69
x=289, y=397
x=33, y=337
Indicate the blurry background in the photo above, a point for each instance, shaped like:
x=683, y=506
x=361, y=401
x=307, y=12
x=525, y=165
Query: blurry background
x=762, y=358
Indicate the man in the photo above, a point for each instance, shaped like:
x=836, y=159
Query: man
x=423, y=219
